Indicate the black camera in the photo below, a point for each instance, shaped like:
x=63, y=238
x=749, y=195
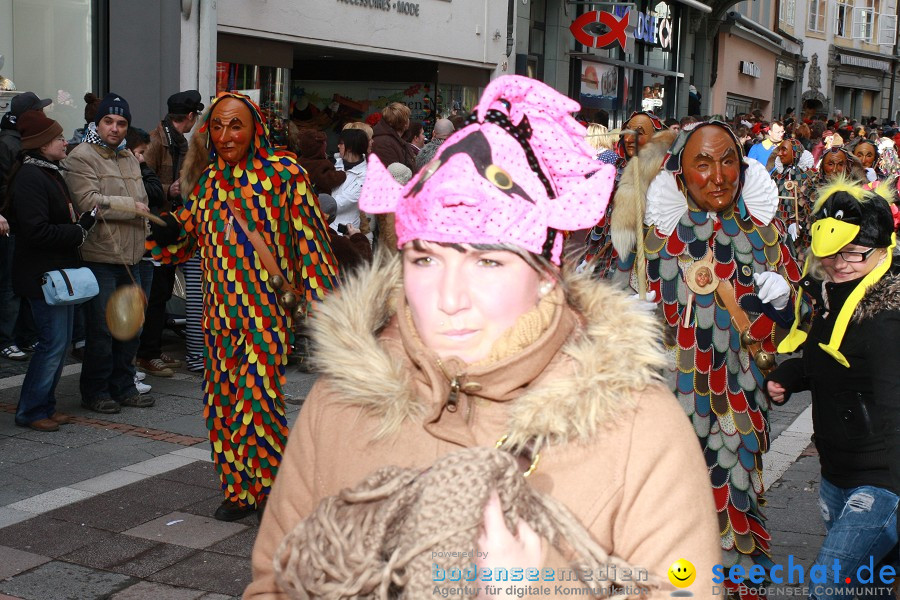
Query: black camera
x=342, y=229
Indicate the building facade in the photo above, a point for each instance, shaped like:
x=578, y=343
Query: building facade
x=852, y=47
x=612, y=59
x=330, y=57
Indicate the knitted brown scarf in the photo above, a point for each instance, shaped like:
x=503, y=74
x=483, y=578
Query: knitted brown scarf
x=375, y=541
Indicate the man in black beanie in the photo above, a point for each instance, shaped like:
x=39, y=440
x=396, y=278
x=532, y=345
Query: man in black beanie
x=167, y=150
x=102, y=172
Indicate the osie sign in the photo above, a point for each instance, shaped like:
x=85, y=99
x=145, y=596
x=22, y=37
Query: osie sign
x=602, y=29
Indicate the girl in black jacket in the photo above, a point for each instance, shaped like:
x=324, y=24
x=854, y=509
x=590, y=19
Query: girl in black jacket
x=851, y=364
x=48, y=234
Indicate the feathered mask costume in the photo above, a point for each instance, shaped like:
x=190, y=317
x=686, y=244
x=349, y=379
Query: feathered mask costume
x=518, y=173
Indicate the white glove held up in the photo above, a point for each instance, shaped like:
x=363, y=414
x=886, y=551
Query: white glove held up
x=773, y=289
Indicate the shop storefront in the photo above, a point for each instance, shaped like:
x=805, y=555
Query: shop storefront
x=260, y=69
x=858, y=83
x=326, y=94
x=425, y=55
x=789, y=68
x=626, y=61
x=49, y=60
x=745, y=66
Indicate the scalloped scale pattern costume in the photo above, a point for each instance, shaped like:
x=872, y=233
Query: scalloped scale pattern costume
x=715, y=379
x=799, y=175
x=248, y=334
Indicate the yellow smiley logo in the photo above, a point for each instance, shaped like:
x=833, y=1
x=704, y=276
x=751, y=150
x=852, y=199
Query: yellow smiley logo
x=682, y=573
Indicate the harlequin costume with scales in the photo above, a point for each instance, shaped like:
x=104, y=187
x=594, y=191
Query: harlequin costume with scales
x=600, y=251
x=794, y=183
x=248, y=333
x=714, y=377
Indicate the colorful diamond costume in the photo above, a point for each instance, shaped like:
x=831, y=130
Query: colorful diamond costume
x=248, y=333
x=711, y=372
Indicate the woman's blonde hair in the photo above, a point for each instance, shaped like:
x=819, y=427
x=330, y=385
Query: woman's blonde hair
x=359, y=125
x=598, y=137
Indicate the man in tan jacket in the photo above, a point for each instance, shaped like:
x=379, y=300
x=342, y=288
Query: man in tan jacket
x=102, y=173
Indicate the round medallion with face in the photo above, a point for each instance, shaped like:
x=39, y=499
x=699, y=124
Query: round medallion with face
x=711, y=168
x=701, y=277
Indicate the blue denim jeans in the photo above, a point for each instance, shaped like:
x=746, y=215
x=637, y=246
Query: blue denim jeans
x=37, y=399
x=861, y=524
x=107, y=370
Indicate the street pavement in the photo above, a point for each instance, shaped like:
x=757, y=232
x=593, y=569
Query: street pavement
x=119, y=506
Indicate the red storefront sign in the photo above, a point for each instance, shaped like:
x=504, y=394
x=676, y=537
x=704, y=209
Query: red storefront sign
x=601, y=29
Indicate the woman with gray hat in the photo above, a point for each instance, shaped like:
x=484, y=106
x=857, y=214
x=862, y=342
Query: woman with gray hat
x=48, y=233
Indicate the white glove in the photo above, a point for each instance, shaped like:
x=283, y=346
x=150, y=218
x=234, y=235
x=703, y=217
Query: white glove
x=792, y=231
x=773, y=289
x=647, y=305
x=581, y=267
x=871, y=175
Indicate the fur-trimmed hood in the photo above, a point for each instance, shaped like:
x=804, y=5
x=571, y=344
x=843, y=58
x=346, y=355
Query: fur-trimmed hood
x=630, y=199
x=614, y=351
x=884, y=295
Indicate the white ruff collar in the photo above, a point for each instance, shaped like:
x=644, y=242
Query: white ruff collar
x=666, y=204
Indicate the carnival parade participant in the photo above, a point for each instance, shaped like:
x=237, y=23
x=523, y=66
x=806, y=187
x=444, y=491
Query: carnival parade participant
x=241, y=188
x=474, y=334
x=600, y=253
x=793, y=174
x=837, y=161
x=707, y=247
x=853, y=378
x=888, y=160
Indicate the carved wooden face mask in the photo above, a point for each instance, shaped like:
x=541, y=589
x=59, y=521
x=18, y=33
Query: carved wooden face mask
x=231, y=129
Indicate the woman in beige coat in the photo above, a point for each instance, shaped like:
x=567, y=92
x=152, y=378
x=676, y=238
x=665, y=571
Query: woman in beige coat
x=474, y=335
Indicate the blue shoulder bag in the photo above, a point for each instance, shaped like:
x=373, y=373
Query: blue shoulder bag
x=69, y=286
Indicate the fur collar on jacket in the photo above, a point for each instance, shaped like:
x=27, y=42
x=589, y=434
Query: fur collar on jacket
x=616, y=352
x=630, y=200
x=884, y=295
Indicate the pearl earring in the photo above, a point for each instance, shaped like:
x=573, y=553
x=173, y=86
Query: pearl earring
x=545, y=288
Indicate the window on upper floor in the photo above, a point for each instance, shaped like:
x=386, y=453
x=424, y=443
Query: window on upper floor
x=887, y=29
x=843, y=10
x=864, y=20
x=786, y=11
x=816, y=16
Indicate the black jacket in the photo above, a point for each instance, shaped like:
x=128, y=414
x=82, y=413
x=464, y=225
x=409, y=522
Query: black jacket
x=856, y=410
x=154, y=188
x=10, y=144
x=46, y=236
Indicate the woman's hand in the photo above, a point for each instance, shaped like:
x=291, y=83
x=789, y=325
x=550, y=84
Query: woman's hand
x=776, y=392
x=499, y=548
